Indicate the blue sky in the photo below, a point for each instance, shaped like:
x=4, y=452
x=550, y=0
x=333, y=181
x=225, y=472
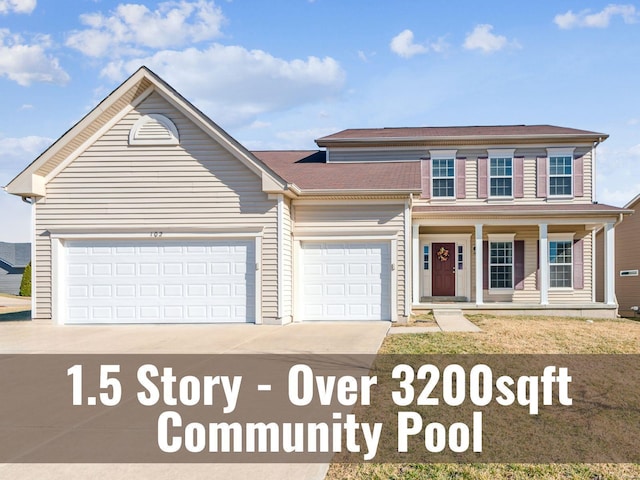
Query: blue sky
x=278, y=74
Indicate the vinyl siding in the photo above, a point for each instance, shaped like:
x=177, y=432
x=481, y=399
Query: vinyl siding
x=530, y=295
x=377, y=155
x=345, y=218
x=529, y=175
x=195, y=186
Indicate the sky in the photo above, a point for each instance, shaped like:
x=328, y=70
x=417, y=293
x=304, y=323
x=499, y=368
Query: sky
x=278, y=74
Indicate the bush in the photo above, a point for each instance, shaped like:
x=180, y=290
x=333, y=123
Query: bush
x=25, y=285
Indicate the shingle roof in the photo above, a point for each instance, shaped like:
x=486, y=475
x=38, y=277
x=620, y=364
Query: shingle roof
x=557, y=209
x=408, y=133
x=15, y=254
x=309, y=171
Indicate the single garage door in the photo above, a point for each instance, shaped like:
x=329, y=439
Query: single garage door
x=346, y=281
x=160, y=281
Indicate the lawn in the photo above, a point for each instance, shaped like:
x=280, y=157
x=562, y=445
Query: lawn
x=509, y=335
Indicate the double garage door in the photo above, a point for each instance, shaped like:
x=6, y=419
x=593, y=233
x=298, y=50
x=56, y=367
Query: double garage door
x=205, y=281
x=160, y=281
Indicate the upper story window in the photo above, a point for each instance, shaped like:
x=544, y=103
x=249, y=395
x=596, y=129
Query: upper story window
x=560, y=172
x=501, y=173
x=443, y=173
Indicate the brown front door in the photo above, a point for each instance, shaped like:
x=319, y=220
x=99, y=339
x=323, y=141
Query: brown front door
x=444, y=273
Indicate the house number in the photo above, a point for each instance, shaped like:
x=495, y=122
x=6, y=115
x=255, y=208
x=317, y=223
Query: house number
x=156, y=234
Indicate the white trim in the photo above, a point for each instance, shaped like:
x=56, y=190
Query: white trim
x=443, y=154
x=330, y=236
x=479, y=261
x=560, y=152
x=594, y=273
x=258, y=279
x=561, y=237
x=463, y=280
x=609, y=264
x=280, y=247
x=416, y=261
x=453, y=178
x=174, y=138
x=543, y=283
x=501, y=152
x=493, y=154
x=34, y=238
x=502, y=238
x=394, y=280
x=407, y=259
x=58, y=261
x=99, y=133
x=149, y=235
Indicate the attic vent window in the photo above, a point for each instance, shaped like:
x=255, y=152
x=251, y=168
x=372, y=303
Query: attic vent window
x=154, y=129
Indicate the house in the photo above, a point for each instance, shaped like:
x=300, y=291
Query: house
x=14, y=257
x=146, y=211
x=627, y=263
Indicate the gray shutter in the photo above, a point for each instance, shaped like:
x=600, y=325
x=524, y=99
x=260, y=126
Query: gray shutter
x=461, y=177
x=425, y=169
x=541, y=166
x=578, y=264
x=578, y=177
x=518, y=264
x=482, y=177
x=518, y=177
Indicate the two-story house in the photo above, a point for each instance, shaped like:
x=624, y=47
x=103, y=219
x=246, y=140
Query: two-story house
x=146, y=211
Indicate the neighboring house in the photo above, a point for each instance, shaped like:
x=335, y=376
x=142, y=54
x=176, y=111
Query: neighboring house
x=14, y=257
x=147, y=211
x=627, y=262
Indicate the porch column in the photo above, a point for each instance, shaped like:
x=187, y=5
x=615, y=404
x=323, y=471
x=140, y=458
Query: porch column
x=544, y=265
x=415, y=260
x=609, y=265
x=479, y=262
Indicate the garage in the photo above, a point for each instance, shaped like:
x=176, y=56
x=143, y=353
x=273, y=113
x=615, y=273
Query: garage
x=159, y=281
x=346, y=281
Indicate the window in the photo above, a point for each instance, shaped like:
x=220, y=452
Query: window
x=460, y=257
x=443, y=175
x=425, y=257
x=501, y=264
x=560, y=264
x=560, y=175
x=501, y=177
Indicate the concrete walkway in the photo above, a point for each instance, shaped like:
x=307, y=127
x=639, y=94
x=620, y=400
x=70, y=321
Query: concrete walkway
x=448, y=321
x=302, y=338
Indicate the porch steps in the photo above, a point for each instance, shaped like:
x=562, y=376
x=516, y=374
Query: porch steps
x=452, y=320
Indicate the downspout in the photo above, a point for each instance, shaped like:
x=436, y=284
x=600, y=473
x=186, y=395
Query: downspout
x=280, y=241
x=32, y=201
x=593, y=169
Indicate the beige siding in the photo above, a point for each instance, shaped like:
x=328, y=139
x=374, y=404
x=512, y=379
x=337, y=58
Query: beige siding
x=348, y=217
x=197, y=185
x=627, y=257
x=530, y=179
x=529, y=295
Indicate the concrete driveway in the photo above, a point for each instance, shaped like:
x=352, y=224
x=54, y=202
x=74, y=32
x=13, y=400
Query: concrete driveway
x=303, y=338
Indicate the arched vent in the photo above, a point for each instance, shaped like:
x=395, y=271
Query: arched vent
x=154, y=129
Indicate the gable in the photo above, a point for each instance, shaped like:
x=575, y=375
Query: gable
x=34, y=179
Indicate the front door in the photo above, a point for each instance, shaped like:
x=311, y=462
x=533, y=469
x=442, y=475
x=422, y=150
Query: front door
x=444, y=269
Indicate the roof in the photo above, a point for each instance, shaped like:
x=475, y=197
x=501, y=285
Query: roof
x=477, y=132
x=633, y=202
x=17, y=255
x=308, y=170
x=546, y=209
x=31, y=181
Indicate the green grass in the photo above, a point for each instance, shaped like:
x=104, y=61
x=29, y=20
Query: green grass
x=509, y=335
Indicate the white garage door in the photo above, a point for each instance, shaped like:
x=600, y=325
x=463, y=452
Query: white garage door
x=159, y=281
x=346, y=281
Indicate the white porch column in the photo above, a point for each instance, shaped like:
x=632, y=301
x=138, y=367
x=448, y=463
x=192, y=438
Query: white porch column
x=543, y=282
x=479, y=261
x=415, y=260
x=609, y=265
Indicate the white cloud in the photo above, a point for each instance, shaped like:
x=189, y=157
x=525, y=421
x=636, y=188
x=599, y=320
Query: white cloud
x=133, y=28
x=23, y=148
x=17, y=6
x=28, y=63
x=481, y=38
x=234, y=85
x=404, y=46
x=600, y=19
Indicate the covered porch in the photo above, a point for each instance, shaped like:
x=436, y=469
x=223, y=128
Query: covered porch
x=531, y=259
